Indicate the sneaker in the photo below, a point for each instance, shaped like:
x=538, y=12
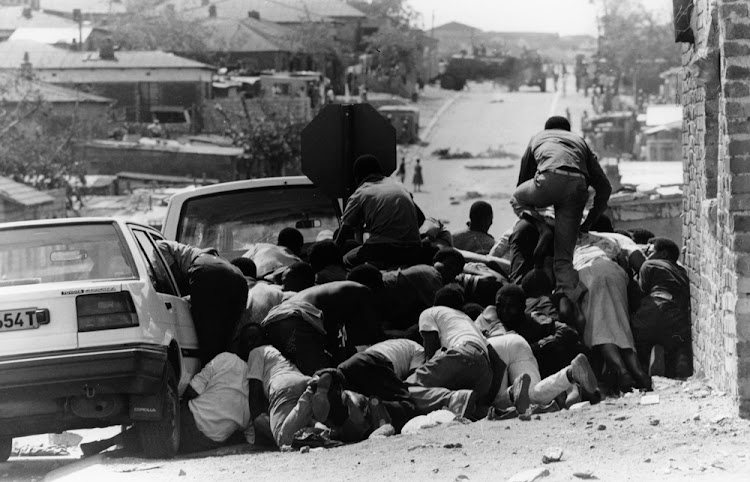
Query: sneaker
x=519, y=393
x=320, y=404
x=582, y=374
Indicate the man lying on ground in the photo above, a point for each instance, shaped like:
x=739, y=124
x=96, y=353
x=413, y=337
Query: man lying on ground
x=577, y=380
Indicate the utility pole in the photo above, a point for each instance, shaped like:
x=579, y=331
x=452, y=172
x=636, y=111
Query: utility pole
x=78, y=17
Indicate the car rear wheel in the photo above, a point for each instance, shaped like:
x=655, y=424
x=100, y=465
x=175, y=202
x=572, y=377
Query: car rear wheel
x=6, y=446
x=161, y=439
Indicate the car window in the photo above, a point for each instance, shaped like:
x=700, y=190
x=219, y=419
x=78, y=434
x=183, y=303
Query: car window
x=235, y=221
x=61, y=253
x=157, y=270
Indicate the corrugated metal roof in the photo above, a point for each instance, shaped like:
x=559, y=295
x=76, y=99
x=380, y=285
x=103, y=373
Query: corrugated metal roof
x=16, y=88
x=232, y=35
x=51, y=36
x=279, y=11
x=45, y=57
x=86, y=6
x=22, y=194
x=11, y=18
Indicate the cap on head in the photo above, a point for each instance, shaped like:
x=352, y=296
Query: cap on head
x=557, y=122
x=366, y=165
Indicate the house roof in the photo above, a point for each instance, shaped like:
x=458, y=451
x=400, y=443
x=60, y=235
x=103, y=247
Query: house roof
x=45, y=57
x=100, y=7
x=52, y=35
x=456, y=26
x=22, y=194
x=15, y=89
x=246, y=35
x=11, y=18
x=278, y=11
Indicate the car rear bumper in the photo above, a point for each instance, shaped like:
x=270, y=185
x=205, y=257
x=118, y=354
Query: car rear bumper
x=128, y=369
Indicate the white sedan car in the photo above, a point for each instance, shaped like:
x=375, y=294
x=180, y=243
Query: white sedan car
x=93, y=332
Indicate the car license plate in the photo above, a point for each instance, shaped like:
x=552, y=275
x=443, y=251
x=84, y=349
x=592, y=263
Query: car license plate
x=23, y=319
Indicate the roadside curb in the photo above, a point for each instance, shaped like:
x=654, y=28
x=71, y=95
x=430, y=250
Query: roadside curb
x=428, y=130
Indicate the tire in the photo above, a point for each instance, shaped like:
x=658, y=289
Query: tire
x=161, y=440
x=6, y=446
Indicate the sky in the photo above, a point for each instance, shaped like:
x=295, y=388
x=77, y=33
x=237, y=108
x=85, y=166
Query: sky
x=566, y=17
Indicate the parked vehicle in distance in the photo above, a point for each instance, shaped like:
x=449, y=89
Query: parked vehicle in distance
x=233, y=216
x=93, y=332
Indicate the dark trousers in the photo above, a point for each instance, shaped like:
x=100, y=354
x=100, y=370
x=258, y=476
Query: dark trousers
x=556, y=355
x=373, y=376
x=218, y=296
x=522, y=243
x=568, y=194
x=665, y=323
x=300, y=343
x=384, y=255
x=191, y=438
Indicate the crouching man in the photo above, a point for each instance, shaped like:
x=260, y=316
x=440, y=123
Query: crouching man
x=213, y=408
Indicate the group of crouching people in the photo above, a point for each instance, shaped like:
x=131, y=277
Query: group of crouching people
x=338, y=341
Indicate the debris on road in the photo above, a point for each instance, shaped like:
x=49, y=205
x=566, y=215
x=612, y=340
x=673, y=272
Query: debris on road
x=580, y=405
x=654, y=422
x=553, y=454
x=601, y=427
x=422, y=422
x=650, y=399
x=588, y=475
x=530, y=475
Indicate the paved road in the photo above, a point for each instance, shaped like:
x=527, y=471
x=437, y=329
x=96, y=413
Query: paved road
x=479, y=120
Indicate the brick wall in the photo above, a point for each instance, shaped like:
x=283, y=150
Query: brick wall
x=716, y=222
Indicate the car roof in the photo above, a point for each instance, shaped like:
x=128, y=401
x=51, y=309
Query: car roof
x=241, y=185
x=67, y=221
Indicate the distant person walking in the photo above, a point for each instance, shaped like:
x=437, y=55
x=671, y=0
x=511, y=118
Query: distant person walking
x=402, y=170
x=417, y=180
x=556, y=170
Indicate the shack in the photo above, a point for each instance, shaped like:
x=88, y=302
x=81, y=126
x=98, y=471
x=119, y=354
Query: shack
x=164, y=158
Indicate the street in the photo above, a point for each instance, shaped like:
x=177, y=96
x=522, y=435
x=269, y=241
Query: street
x=692, y=433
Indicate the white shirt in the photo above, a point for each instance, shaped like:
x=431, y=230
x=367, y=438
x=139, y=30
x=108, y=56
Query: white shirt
x=221, y=407
x=454, y=327
x=268, y=365
x=405, y=355
x=261, y=298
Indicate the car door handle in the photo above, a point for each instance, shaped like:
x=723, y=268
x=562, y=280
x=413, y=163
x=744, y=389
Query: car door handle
x=168, y=305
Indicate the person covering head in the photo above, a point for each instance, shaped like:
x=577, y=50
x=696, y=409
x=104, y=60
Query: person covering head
x=368, y=275
x=557, y=122
x=449, y=262
x=292, y=239
x=365, y=166
x=449, y=296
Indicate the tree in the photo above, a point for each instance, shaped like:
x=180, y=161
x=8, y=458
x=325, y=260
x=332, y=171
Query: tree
x=146, y=27
x=36, y=144
x=397, y=56
x=635, y=44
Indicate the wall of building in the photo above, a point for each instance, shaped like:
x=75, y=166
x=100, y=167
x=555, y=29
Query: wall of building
x=716, y=223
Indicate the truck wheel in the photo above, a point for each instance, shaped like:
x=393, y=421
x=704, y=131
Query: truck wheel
x=161, y=440
x=6, y=446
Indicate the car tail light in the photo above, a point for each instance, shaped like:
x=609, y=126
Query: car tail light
x=105, y=311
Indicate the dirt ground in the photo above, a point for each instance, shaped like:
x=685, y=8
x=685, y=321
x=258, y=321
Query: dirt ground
x=691, y=434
